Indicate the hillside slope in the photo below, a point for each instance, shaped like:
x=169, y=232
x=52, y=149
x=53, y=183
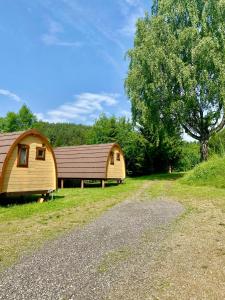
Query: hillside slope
x=210, y=173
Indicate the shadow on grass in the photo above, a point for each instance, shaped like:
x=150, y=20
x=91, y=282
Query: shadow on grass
x=69, y=183
x=173, y=176
x=20, y=200
x=97, y=185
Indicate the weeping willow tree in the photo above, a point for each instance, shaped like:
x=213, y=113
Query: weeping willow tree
x=177, y=68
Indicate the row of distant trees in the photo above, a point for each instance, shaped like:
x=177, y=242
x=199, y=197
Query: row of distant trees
x=144, y=153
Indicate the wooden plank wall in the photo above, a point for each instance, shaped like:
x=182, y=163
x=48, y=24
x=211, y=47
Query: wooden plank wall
x=116, y=171
x=40, y=175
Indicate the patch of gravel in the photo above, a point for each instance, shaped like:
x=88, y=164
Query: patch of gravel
x=106, y=259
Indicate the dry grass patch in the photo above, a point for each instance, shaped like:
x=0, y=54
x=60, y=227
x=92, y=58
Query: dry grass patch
x=113, y=258
x=191, y=264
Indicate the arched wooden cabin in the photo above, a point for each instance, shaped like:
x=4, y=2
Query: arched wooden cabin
x=27, y=163
x=91, y=162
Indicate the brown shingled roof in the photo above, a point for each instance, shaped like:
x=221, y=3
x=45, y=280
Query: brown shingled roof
x=83, y=162
x=6, y=141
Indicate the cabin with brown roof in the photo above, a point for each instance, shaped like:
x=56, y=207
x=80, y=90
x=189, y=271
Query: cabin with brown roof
x=91, y=162
x=27, y=164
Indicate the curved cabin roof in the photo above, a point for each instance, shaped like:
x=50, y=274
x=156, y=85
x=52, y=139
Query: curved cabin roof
x=9, y=140
x=6, y=142
x=84, y=162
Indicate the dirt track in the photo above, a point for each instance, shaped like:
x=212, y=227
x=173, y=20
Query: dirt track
x=111, y=258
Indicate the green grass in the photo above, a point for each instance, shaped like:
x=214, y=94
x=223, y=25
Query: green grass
x=65, y=199
x=195, y=248
x=210, y=173
x=24, y=227
x=192, y=196
x=191, y=256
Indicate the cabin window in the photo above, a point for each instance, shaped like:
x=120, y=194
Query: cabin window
x=40, y=153
x=23, y=155
x=118, y=156
x=112, y=158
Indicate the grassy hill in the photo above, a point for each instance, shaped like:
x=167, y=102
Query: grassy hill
x=210, y=173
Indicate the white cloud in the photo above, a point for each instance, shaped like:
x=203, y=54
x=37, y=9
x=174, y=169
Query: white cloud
x=130, y=27
x=51, y=38
x=132, y=10
x=10, y=95
x=133, y=2
x=39, y=116
x=85, y=20
x=84, y=108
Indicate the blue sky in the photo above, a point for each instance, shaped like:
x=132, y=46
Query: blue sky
x=66, y=58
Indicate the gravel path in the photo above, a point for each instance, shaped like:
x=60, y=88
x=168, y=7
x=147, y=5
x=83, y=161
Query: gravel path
x=107, y=259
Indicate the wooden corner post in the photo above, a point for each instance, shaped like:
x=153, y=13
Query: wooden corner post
x=103, y=183
x=62, y=183
x=82, y=183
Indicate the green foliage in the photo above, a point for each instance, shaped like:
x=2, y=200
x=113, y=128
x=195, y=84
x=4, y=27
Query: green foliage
x=11, y=122
x=210, y=173
x=217, y=143
x=20, y=121
x=121, y=131
x=64, y=134
x=144, y=152
x=2, y=123
x=26, y=118
x=189, y=156
x=176, y=72
x=105, y=130
x=167, y=152
x=60, y=134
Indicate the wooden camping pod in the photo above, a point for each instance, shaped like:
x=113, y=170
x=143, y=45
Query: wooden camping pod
x=27, y=163
x=91, y=162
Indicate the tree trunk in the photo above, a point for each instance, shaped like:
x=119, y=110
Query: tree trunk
x=204, y=149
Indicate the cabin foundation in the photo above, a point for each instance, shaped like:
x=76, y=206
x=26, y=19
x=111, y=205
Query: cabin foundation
x=103, y=183
x=82, y=183
x=62, y=183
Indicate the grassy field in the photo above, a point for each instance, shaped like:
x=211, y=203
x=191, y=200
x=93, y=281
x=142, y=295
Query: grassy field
x=24, y=227
x=191, y=263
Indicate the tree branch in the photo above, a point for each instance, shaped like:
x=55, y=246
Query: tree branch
x=220, y=126
x=188, y=131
